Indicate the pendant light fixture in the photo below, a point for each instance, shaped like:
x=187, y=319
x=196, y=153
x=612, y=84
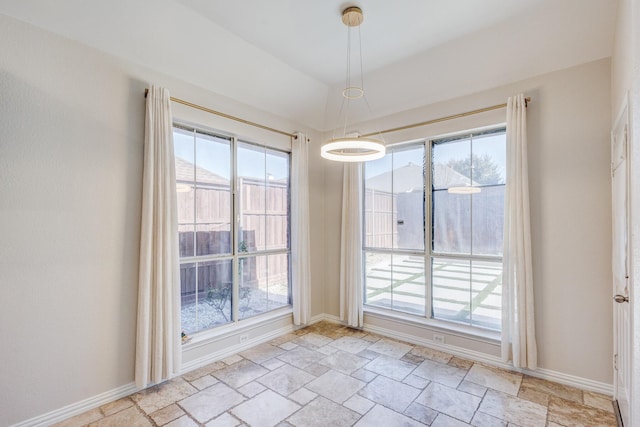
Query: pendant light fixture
x=351, y=147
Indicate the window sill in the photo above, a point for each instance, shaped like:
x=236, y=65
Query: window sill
x=241, y=326
x=463, y=331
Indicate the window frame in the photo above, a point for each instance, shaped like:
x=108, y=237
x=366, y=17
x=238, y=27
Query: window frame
x=429, y=253
x=235, y=255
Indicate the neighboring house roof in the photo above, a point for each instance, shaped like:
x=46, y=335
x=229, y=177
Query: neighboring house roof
x=184, y=172
x=409, y=177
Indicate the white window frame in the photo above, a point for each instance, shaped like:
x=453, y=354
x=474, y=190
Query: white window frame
x=428, y=319
x=235, y=255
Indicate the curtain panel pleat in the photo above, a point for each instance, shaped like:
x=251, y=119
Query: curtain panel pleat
x=351, y=285
x=158, y=341
x=518, y=323
x=300, y=244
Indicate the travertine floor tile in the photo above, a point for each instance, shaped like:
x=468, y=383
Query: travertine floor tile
x=390, y=348
x=211, y=402
x=302, y=396
x=313, y=340
x=390, y=367
x=162, y=395
x=81, y=419
x=598, y=400
x=335, y=386
x=344, y=362
x=117, y=406
x=286, y=379
x=421, y=413
x=431, y=354
x=265, y=410
x=381, y=416
x=446, y=421
x=449, y=401
x=205, y=370
x=480, y=419
x=204, y=382
x=390, y=393
x=350, y=344
x=166, y=415
x=359, y=404
x=440, y=373
x=251, y=389
x=131, y=417
x=569, y=413
x=497, y=379
x=322, y=412
x=301, y=357
x=225, y=420
x=513, y=409
x=261, y=353
x=535, y=389
x=460, y=363
x=240, y=373
x=183, y=421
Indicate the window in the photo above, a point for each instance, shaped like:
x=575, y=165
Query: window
x=230, y=270
x=457, y=276
x=394, y=240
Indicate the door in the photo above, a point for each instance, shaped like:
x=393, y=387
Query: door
x=620, y=264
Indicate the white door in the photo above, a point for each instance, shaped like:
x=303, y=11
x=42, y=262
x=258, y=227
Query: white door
x=620, y=263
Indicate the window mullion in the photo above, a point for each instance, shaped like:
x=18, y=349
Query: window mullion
x=235, y=229
x=428, y=232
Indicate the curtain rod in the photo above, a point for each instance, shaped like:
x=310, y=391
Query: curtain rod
x=443, y=119
x=226, y=116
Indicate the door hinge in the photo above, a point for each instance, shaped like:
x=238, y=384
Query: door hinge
x=615, y=362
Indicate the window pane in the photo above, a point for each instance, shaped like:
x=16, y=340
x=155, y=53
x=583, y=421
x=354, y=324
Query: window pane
x=489, y=159
x=468, y=292
x=264, y=284
x=488, y=221
x=486, y=289
x=379, y=203
x=252, y=197
x=395, y=281
x=451, y=289
x=185, y=239
x=213, y=160
x=277, y=200
x=188, y=297
x=408, y=192
x=378, y=280
x=451, y=222
x=451, y=164
x=215, y=291
x=213, y=239
x=183, y=147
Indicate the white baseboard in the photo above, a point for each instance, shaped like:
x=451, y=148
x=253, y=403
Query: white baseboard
x=79, y=407
x=547, y=374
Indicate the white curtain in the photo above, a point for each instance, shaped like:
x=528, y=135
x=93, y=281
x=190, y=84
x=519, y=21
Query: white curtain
x=518, y=329
x=300, y=256
x=158, y=344
x=351, y=292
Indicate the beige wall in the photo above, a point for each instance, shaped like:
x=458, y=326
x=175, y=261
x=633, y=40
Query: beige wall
x=568, y=130
x=71, y=144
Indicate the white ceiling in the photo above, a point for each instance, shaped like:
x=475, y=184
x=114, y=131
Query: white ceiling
x=288, y=56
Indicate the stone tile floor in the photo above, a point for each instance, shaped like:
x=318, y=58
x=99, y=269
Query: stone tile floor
x=329, y=375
